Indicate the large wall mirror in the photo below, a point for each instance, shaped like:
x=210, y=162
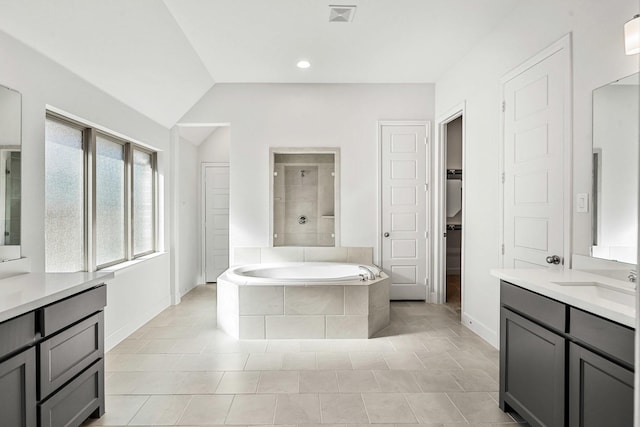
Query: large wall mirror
x=10, y=172
x=305, y=196
x=615, y=170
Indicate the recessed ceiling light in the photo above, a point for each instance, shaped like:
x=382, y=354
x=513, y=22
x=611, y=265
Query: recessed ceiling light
x=303, y=64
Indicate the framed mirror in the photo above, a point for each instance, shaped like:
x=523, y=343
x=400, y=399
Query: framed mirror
x=616, y=134
x=10, y=178
x=305, y=196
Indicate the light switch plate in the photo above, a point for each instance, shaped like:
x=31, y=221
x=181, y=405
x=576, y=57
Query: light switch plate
x=582, y=203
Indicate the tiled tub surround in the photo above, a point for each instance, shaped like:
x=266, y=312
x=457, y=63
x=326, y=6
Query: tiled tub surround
x=259, y=308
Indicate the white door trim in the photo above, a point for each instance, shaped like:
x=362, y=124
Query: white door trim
x=438, y=264
x=563, y=44
x=203, y=215
x=378, y=254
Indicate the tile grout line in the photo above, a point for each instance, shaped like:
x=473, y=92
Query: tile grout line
x=136, y=413
x=184, y=410
x=366, y=411
x=229, y=410
x=456, y=406
x=275, y=410
x=411, y=407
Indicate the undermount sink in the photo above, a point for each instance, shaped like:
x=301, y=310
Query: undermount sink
x=606, y=292
x=581, y=284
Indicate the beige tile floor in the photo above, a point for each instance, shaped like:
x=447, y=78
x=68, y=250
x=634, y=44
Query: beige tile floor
x=425, y=368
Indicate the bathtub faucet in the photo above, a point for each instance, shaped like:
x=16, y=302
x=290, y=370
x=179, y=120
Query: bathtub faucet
x=368, y=273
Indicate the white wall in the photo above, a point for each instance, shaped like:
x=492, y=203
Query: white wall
x=598, y=58
x=140, y=291
x=313, y=115
x=188, y=224
x=216, y=147
x=9, y=117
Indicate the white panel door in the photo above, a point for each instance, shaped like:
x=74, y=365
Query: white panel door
x=404, y=214
x=216, y=194
x=534, y=147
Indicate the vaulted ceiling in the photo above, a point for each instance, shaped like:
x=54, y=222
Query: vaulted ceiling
x=160, y=57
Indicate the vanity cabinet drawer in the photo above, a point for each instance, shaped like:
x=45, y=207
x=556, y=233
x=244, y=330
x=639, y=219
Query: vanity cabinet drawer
x=603, y=335
x=70, y=310
x=17, y=333
x=66, y=354
x=78, y=400
x=544, y=310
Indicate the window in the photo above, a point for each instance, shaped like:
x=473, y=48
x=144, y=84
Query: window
x=64, y=190
x=109, y=194
x=143, y=203
x=100, y=198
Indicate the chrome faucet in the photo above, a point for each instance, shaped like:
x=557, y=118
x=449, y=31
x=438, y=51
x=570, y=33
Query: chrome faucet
x=366, y=274
x=369, y=272
x=633, y=277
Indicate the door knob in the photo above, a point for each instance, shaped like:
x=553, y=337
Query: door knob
x=386, y=234
x=553, y=259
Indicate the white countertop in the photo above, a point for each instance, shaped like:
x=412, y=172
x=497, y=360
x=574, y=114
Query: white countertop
x=26, y=292
x=542, y=281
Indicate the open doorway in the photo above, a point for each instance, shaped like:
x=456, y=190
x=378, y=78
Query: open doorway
x=453, y=213
x=202, y=202
x=215, y=192
x=449, y=199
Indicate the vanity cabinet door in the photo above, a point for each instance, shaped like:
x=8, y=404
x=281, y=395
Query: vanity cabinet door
x=18, y=390
x=532, y=370
x=600, y=391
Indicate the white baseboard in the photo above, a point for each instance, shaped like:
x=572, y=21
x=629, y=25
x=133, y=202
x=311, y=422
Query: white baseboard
x=186, y=291
x=135, y=323
x=433, y=297
x=481, y=330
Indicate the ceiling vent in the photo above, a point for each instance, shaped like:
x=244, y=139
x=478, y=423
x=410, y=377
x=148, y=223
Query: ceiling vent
x=341, y=13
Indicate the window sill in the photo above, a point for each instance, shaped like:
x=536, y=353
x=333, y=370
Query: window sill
x=127, y=264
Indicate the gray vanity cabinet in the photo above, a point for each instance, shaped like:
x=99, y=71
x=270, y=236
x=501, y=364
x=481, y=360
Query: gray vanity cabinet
x=560, y=365
x=537, y=391
x=51, y=363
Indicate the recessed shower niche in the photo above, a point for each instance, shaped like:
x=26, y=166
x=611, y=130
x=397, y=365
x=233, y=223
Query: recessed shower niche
x=305, y=195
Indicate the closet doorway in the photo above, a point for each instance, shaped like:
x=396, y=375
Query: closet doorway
x=450, y=183
x=453, y=213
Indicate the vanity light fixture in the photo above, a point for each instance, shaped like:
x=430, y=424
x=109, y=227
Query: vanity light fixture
x=303, y=64
x=632, y=36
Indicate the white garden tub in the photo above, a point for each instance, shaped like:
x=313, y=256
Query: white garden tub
x=303, y=300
